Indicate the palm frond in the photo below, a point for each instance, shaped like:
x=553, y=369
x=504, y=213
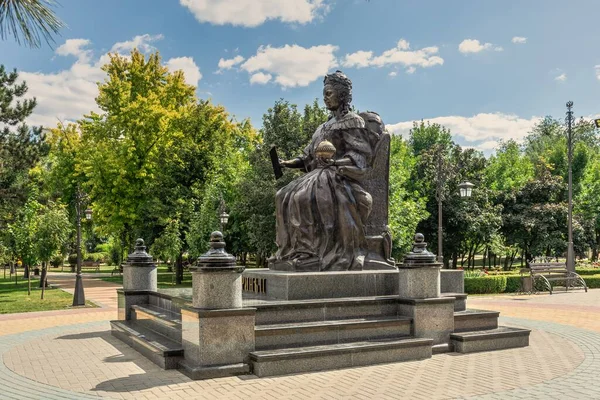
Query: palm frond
x=29, y=21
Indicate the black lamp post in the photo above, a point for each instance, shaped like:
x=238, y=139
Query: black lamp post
x=223, y=216
x=466, y=189
x=78, y=294
x=570, y=249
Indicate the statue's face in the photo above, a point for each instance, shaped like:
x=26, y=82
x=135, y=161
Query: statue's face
x=331, y=98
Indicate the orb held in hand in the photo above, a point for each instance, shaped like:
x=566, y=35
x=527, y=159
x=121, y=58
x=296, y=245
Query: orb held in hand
x=325, y=150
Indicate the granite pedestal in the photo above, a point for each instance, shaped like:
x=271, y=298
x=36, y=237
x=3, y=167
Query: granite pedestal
x=432, y=318
x=217, y=333
x=217, y=342
x=285, y=285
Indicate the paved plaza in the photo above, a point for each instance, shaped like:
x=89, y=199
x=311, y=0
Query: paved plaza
x=71, y=355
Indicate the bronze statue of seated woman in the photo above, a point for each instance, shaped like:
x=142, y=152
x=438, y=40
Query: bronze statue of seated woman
x=321, y=216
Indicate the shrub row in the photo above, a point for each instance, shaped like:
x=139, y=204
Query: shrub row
x=511, y=284
x=485, y=284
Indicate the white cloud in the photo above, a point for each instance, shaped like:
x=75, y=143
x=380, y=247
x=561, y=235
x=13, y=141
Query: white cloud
x=475, y=46
x=251, y=13
x=481, y=131
x=141, y=42
x=410, y=70
x=69, y=94
x=260, y=78
x=230, y=63
x=597, y=69
x=399, y=55
x=75, y=47
x=292, y=65
x=519, y=40
x=393, y=73
x=359, y=59
x=190, y=70
x=561, y=78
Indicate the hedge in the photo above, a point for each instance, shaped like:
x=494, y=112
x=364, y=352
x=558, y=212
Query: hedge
x=512, y=284
x=485, y=284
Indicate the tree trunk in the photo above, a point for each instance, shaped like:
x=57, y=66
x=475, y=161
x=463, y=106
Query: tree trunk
x=179, y=270
x=43, y=278
x=25, y=271
x=596, y=247
x=485, y=256
x=454, y=260
x=28, y=280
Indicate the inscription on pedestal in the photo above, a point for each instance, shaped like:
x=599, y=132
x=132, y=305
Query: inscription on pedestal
x=254, y=285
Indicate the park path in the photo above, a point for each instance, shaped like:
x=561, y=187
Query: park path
x=103, y=294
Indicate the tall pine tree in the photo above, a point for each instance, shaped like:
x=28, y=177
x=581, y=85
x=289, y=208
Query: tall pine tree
x=21, y=146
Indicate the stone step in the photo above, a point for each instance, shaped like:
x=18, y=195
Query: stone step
x=159, y=349
x=475, y=320
x=276, y=336
x=335, y=356
x=280, y=312
x=495, y=339
x=160, y=320
x=460, y=302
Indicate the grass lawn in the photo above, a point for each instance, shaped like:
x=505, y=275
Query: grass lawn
x=14, y=299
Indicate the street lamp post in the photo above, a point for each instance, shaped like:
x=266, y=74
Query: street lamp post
x=439, y=195
x=78, y=294
x=570, y=249
x=466, y=189
x=223, y=216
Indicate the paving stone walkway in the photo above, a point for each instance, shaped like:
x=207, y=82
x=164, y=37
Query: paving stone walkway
x=77, y=358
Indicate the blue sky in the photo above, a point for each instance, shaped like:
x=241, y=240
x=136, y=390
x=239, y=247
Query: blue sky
x=486, y=69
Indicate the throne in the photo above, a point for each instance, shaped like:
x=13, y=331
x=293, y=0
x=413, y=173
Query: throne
x=376, y=183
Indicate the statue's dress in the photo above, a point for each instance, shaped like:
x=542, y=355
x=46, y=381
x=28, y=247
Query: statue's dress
x=321, y=215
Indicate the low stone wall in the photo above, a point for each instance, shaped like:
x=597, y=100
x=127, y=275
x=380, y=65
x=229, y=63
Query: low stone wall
x=452, y=281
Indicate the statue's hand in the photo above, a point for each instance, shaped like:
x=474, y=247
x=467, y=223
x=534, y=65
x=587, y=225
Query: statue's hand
x=284, y=163
x=325, y=162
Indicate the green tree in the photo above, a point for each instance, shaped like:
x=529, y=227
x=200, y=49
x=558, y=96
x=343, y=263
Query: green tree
x=587, y=204
x=534, y=217
x=406, y=208
x=50, y=235
x=508, y=169
x=22, y=230
x=124, y=147
x=21, y=147
x=169, y=244
x=29, y=21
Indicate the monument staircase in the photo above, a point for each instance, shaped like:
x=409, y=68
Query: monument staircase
x=311, y=335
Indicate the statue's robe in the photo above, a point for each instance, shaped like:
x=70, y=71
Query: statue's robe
x=321, y=216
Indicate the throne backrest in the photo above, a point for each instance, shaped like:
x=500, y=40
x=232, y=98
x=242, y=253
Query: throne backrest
x=376, y=181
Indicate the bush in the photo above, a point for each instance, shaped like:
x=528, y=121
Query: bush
x=57, y=261
x=587, y=271
x=72, y=259
x=513, y=283
x=592, y=282
x=98, y=257
x=485, y=284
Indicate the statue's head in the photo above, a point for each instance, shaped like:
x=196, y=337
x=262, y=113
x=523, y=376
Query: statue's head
x=337, y=91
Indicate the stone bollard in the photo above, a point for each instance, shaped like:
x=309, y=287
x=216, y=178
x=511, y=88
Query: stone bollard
x=419, y=274
x=217, y=281
x=139, y=279
x=419, y=289
x=217, y=332
x=139, y=273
